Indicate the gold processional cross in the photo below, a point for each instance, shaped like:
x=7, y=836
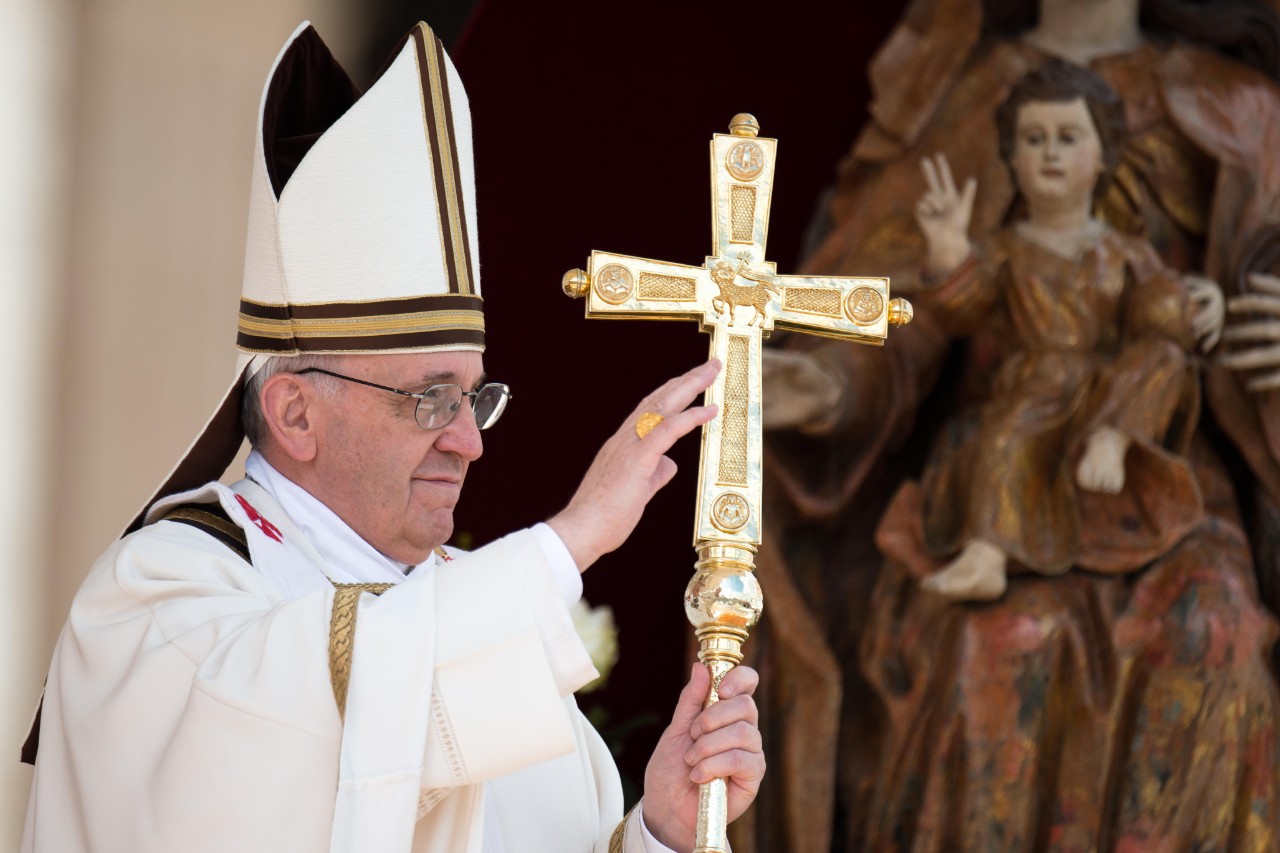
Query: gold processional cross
x=739, y=299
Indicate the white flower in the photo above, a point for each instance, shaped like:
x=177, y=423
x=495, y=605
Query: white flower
x=599, y=634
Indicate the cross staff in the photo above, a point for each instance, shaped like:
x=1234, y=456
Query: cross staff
x=738, y=298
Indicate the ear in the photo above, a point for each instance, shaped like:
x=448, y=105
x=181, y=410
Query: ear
x=289, y=409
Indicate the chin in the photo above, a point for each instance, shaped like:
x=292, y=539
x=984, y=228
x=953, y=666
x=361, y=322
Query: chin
x=432, y=535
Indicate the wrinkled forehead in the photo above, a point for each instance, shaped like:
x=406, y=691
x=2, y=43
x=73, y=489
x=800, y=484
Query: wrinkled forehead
x=465, y=367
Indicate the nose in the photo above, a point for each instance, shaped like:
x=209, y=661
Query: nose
x=1051, y=149
x=461, y=435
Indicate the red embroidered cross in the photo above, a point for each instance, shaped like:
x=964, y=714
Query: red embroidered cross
x=261, y=523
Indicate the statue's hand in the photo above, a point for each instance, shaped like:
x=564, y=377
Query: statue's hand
x=1209, y=311
x=798, y=392
x=943, y=214
x=1261, y=335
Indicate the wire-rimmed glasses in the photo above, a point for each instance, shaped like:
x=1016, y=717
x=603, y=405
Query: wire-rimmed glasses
x=438, y=404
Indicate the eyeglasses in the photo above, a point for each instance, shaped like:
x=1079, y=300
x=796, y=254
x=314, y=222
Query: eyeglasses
x=438, y=404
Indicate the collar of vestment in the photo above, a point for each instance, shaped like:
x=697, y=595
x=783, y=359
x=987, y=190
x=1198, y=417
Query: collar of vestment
x=337, y=544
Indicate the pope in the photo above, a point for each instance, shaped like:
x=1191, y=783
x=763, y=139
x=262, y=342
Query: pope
x=297, y=662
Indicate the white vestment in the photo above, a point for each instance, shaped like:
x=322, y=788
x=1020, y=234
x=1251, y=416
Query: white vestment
x=190, y=704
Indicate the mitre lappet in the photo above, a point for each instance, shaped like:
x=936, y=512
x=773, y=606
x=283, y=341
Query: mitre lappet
x=362, y=224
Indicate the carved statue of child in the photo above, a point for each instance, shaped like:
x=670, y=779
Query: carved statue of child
x=1074, y=459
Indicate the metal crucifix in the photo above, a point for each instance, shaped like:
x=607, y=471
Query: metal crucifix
x=738, y=298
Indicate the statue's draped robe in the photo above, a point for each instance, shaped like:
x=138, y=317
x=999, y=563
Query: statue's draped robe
x=1091, y=341
x=1079, y=712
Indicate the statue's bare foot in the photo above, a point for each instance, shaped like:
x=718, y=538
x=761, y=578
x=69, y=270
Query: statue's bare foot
x=1101, y=468
x=976, y=575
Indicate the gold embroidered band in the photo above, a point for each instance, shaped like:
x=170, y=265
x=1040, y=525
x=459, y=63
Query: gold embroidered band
x=342, y=635
x=620, y=833
x=213, y=520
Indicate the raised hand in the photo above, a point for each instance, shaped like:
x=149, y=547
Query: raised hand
x=1262, y=336
x=943, y=214
x=629, y=469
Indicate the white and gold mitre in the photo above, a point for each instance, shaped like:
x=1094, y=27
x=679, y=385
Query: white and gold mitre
x=362, y=224
x=362, y=213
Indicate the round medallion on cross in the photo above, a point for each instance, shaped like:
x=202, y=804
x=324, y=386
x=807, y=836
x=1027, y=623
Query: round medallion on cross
x=730, y=512
x=745, y=161
x=614, y=284
x=864, y=305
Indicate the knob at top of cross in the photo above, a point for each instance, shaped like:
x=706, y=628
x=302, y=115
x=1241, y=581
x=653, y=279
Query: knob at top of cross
x=744, y=124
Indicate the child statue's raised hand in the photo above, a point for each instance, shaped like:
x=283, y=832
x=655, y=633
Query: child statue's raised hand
x=943, y=215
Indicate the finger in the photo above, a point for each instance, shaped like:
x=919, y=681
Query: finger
x=1259, y=357
x=661, y=438
x=1211, y=341
x=1254, y=302
x=1205, y=325
x=675, y=394
x=1266, y=330
x=944, y=172
x=741, y=735
x=724, y=714
x=741, y=681
x=1265, y=282
x=742, y=766
x=694, y=694
x=970, y=193
x=931, y=176
x=663, y=473
x=1264, y=383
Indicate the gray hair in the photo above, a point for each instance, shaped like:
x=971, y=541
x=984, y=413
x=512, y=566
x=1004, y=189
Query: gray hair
x=251, y=414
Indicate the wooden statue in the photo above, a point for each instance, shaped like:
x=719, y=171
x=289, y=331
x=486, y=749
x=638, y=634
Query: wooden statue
x=1091, y=388
x=1088, y=711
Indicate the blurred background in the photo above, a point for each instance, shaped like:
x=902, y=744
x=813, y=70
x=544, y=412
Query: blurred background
x=126, y=137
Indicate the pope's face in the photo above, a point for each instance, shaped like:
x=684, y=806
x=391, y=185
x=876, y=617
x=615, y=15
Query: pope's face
x=1057, y=155
x=393, y=482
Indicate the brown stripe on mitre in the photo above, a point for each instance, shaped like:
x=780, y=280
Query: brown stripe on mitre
x=463, y=231
x=381, y=307
x=409, y=342
x=455, y=244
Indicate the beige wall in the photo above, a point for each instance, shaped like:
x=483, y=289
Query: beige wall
x=120, y=257
x=35, y=78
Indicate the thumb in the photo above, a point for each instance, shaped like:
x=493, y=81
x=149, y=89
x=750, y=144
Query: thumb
x=692, y=697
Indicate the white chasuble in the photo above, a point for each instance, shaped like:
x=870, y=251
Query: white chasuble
x=190, y=704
